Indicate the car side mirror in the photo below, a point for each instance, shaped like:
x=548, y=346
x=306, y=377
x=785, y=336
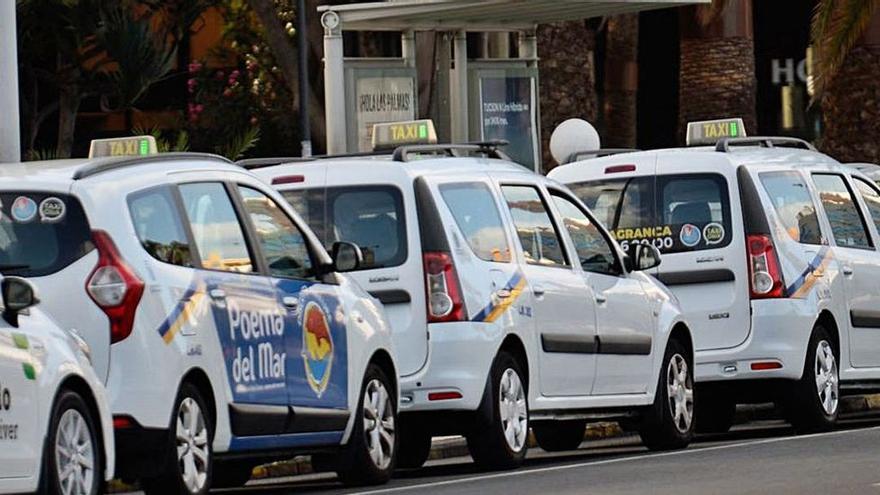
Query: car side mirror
x=347, y=257
x=18, y=296
x=643, y=257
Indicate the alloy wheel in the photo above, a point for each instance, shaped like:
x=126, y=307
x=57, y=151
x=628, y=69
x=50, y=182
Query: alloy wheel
x=379, y=426
x=826, y=377
x=680, y=391
x=75, y=457
x=192, y=445
x=513, y=410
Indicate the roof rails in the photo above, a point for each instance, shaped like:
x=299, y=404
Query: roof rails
x=99, y=167
x=256, y=163
x=725, y=144
x=490, y=148
x=579, y=155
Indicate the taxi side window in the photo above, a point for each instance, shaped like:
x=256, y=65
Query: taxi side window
x=216, y=229
x=594, y=252
x=282, y=243
x=619, y=203
x=871, y=197
x=537, y=234
x=847, y=225
x=476, y=214
x=157, y=224
x=793, y=204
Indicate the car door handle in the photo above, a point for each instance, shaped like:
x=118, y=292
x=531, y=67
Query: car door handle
x=847, y=270
x=601, y=298
x=538, y=291
x=290, y=302
x=217, y=294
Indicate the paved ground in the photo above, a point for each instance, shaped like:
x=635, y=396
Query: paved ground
x=757, y=458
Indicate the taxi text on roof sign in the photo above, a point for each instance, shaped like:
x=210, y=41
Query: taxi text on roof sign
x=708, y=132
x=393, y=134
x=126, y=146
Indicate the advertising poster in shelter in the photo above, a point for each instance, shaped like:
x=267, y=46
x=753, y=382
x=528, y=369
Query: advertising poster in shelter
x=382, y=99
x=508, y=111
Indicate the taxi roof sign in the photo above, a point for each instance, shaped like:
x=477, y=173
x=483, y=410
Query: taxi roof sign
x=124, y=146
x=391, y=135
x=708, y=132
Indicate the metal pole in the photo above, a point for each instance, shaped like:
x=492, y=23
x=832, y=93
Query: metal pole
x=460, y=132
x=10, y=140
x=303, y=38
x=334, y=84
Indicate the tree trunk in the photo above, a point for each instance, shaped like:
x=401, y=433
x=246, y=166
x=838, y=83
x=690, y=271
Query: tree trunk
x=621, y=82
x=568, y=78
x=851, y=103
x=285, y=53
x=68, y=106
x=717, y=78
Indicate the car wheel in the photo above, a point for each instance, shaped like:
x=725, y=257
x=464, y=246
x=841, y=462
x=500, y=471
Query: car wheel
x=231, y=474
x=188, y=467
x=669, y=422
x=503, y=443
x=371, y=453
x=73, y=458
x=560, y=436
x=814, y=402
x=717, y=411
x=415, y=447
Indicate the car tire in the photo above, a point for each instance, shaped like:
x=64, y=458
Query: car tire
x=560, y=436
x=813, y=407
x=717, y=411
x=669, y=423
x=372, y=449
x=231, y=474
x=415, y=447
x=502, y=444
x=74, y=454
x=188, y=465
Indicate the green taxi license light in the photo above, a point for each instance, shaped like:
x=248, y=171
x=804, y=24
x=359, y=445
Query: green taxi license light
x=709, y=132
x=125, y=146
x=390, y=135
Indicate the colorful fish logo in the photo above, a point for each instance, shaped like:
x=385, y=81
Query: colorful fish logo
x=317, y=347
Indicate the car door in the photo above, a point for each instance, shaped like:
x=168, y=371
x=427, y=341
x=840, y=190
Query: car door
x=855, y=249
x=20, y=428
x=248, y=321
x=865, y=339
x=563, y=306
x=625, y=321
x=314, y=320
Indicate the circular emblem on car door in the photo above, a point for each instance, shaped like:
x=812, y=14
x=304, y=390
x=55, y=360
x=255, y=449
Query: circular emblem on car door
x=317, y=347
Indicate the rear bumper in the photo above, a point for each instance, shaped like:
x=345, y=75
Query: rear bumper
x=460, y=356
x=780, y=334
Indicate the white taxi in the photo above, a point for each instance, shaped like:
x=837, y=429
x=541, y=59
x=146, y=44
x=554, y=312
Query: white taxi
x=56, y=432
x=224, y=332
x=772, y=249
x=510, y=306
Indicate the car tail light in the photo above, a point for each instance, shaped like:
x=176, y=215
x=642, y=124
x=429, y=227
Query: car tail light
x=445, y=301
x=114, y=287
x=618, y=169
x=766, y=277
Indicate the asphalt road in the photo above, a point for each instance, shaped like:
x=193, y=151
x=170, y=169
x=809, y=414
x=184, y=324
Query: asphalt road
x=757, y=458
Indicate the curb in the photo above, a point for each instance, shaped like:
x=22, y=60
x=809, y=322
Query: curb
x=449, y=447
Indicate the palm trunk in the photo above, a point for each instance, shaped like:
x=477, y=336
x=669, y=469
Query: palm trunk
x=568, y=78
x=717, y=78
x=69, y=100
x=851, y=103
x=619, y=110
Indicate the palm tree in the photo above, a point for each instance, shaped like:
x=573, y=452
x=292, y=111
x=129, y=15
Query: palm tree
x=717, y=73
x=619, y=110
x=846, y=44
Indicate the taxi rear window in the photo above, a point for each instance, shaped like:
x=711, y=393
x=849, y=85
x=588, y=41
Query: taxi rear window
x=370, y=216
x=41, y=233
x=675, y=213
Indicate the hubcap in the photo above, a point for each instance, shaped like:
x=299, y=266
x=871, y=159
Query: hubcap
x=192, y=445
x=826, y=377
x=513, y=411
x=379, y=426
x=74, y=454
x=680, y=390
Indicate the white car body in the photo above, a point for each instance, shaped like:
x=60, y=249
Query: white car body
x=516, y=306
x=741, y=338
x=240, y=338
x=37, y=360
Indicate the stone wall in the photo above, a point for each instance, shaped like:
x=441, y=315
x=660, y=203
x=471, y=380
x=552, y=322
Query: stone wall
x=851, y=109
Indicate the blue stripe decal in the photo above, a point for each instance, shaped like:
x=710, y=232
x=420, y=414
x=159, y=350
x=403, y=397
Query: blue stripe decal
x=486, y=312
x=178, y=310
x=294, y=440
x=814, y=265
